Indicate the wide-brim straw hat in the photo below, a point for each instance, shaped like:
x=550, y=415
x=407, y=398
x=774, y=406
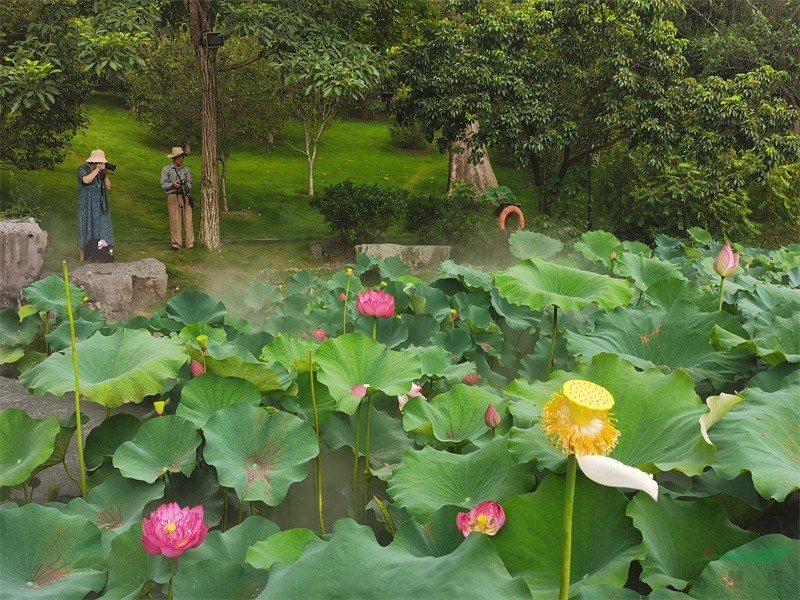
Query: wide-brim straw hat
x=176, y=151
x=97, y=156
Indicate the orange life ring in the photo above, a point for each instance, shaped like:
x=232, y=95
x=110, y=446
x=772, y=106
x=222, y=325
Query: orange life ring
x=501, y=221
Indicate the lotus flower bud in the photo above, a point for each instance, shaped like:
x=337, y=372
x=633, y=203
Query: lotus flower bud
x=491, y=417
x=472, y=378
x=726, y=262
x=319, y=334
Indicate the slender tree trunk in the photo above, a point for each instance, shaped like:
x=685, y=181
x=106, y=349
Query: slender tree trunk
x=200, y=22
x=223, y=179
x=481, y=175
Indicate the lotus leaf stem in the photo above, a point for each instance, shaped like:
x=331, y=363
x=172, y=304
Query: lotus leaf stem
x=319, y=442
x=73, y=342
x=355, y=461
x=344, y=304
x=569, y=501
x=367, y=472
x=721, y=286
x=553, y=337
x=224, y=508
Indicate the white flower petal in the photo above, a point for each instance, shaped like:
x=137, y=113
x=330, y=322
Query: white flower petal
x=612, y=473
x=718, y=407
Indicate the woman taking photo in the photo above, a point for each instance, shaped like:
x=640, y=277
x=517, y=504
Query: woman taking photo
x=94, y=219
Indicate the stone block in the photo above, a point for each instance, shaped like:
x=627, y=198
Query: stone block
x=418, y=258
x=122, y=290
x=22, y=245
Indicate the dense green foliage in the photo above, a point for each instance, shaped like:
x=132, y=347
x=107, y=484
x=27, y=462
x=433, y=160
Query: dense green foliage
x=360, y=213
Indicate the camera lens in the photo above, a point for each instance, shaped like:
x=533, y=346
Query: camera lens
x=111, y=166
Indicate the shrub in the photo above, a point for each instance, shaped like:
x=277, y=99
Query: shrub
x=24, y=200
x=360, y=213
x=409, y=137
x=457, y=219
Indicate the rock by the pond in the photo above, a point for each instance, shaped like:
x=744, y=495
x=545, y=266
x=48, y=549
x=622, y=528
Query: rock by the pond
x=122, y=290
x=416, y=257
x=22, y=244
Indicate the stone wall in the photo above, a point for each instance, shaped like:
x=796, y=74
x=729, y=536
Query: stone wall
x=22, y=244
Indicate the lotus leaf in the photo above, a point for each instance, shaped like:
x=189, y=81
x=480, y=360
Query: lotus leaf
x=49, y=294
x=353, y=359
x=598, y=246
x=258, y=454
x=196, y=307
x=123, y=367
x=234, y=544
x=163, y=445
x=204, y=395
x=130, y=568
x=284, y=547
x=25, y=443
x=527, y=244
x=104, y=439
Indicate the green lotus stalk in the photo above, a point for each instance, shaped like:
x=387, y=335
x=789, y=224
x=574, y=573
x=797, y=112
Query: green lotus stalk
x=721, y=286
x=173, y=569
x=367, y=471
x=319, y=442
x=569, y=502
x=553, y=337
x=355, y=461
x=73, y=342
x=346, y=296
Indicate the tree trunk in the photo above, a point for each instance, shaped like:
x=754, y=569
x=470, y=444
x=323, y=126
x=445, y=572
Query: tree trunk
x=200, y=22
x=480, y=175
x=223, y=180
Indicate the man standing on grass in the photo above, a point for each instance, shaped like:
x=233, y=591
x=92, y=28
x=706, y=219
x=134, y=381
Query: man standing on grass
x=176, y=181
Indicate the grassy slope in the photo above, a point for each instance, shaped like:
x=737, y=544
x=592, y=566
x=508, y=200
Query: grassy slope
x=268, y=182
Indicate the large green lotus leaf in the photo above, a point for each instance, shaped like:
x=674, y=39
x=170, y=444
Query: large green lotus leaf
x=420, y=329
x=211, y=579
x=284, y=547
x=388, y=441
x=303, y=404
x=258, y=454
x=290, y=351
x=25, y=443
x=201, y=487
x=667, y=292
x=16, y=334
x=123, y=367
x=489, y=473
x=46, y=554
x=456, y=341
x=644, y=271
x=204, y=395
x=678, y=338
x=67, y=425
x=527, y=244
x=390, y=332
x=232, y=545
x=284, y=324
x=50, y=294
x=604, y=541
x=354, y=565
x=682, y=537
x=104, y=439
x=61, y=337
x=537, y=284
x=353, y=359
x=436, y=537
x=215, y=335
x=470, y=278
x=453, y=417
x=425, y=299
x=652, y=431
x=760, y=435
x=165, y=444
x=438, y=362
x=117, y=503
x=766, y=300
x=777, y=342
x=598, y=246
x=767, y=567
x=229, y=360
x=130, y=567
x=196, y=307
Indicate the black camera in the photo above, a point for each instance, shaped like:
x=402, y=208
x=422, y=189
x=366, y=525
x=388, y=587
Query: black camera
x=111, y=167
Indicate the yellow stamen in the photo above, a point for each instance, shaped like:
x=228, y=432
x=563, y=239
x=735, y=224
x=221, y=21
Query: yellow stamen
x=170, y=527
x=577, y=419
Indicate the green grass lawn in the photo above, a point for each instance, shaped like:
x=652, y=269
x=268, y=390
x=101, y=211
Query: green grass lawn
x=267, y=187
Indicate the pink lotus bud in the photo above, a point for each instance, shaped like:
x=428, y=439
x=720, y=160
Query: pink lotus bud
x=196, y=367
x=376, y=303
x=726, y=262
x=491, y=417
x=454, y=314
x=487, y=518
x=359, y=391
x=342, y=297
x=171, y=530
x=319, y=334
x=416, y=392
x=472, y=378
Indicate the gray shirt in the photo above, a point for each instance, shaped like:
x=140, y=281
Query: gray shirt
x=168, y=177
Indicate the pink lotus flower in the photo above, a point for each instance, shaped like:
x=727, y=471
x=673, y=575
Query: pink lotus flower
x=342, y=297
x=726, y=262
x=359, y=391
x=376, y=303
x=196, y=367
x=172, y=530
x=491, y=417
x=319, y=334
x=471, y=379
x=416, y=392
x=488, y=518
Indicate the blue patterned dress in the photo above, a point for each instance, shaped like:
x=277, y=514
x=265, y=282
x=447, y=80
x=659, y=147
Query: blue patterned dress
x=94, y=218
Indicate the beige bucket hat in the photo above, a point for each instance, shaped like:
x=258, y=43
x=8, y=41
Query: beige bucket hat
x=176, y=151
x=97, y=156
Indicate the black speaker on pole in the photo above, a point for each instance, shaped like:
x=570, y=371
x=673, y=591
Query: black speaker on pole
x=212, y=39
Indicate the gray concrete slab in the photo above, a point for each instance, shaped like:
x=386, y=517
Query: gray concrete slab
x=13, y=395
